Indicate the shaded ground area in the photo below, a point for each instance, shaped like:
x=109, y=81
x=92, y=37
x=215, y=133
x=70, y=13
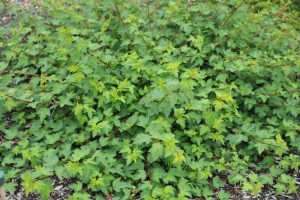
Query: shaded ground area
x=62, y=191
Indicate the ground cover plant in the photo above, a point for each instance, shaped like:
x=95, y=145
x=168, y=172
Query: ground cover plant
x=150, y=99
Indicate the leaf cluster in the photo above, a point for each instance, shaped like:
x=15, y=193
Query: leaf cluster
x=150, y=99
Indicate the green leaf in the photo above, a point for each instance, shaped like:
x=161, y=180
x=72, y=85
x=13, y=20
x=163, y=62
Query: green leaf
x=155, y=152
x=10, y=104
x=261, y=147
x=236, y=138
x=217, y=182
x=142, y=138
x=43, y=113
x=43, y=187
x=223, y=195
x=78, y=154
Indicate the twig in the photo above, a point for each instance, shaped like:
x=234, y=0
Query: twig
x=225, y=2
x=53, y=110
x=120, y=17
x=99, y=59
x=119, y=13
x=148, y=12
x=15, y=98
x=18, y=73
x=96, y=4
x=289, y=197
x=233, y=12
x=148, y=47
x=87, y=26
x=180, y=29
x=42, y=178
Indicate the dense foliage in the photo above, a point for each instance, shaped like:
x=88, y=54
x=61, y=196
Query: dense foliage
x=150, y=99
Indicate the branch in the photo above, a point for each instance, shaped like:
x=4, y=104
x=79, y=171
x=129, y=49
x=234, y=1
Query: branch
x=120, y=17
x=87, y=26
x=233, y=12
x=15, y=98
x=99, y=59
x=148, y=46
x=18, y=73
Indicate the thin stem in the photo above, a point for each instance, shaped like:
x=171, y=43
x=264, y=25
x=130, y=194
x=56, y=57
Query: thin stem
x=119, y=13
x=15, y=98
x=120, y=17
x=91, y=31
x=96, y=4
x=233, y=12
x=180, y=29
x=18, y=73
x=99, y=59
x=148, y=46
x=225, y=2
x=42, y=178
x=148, y=12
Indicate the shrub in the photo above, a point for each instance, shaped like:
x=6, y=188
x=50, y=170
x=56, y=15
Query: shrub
x=151, y=99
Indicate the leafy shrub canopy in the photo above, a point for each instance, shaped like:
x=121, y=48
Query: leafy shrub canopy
x=151, y=99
